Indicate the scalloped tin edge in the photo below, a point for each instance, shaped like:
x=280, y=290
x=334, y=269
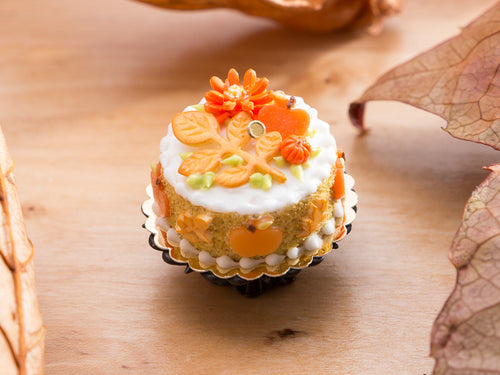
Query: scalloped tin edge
x=170, y=256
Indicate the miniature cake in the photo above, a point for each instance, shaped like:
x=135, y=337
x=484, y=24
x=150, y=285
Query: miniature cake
x=249, y=181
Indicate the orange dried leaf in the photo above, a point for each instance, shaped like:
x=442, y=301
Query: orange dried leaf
x=310, y=15
x=201, y=162
x=194, y=127
x=458, y=80
x=21, y=329
x=466, y=334
x=237, y=131
x=268, y=145
x=234, y=177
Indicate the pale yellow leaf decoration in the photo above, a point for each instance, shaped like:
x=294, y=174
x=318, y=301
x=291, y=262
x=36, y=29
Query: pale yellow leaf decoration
x=21, y=329
x=316, y=214
x=237, y=131
x=268, y=145
x=201, y=162
x=193, y=128
x=233, y=177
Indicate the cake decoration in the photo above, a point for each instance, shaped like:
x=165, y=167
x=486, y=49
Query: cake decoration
x=194, y=229
x=338, y=187
x=161, y=198
x=250, y=183
x=295, y=149
x=316, y=215
x=228, y=98
x=200, y=128
x=201, y=181
x=256, y=129
x=256, y=238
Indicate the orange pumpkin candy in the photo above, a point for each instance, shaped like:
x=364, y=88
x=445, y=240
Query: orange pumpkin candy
x=249, y=241
x=295, y=149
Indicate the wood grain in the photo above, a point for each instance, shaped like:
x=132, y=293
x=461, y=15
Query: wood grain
x=87, y=90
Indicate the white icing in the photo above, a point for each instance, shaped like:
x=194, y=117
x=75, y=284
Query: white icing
x=250, y=262
x=188, y=250
x=226, y=262
x=274, y=259
x=206, y=259
x=162, y=223
x=173, y=237
x=329, y=227
x=313, y=242
x=338, y=209
x=293, y=253
x=244, y=199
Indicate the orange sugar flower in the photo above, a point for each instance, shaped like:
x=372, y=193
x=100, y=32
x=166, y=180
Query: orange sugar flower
x=228, y=98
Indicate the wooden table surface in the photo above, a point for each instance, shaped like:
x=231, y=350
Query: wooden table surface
x=87, y=89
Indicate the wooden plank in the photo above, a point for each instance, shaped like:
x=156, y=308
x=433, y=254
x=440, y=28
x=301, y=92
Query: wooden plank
x=87, y=90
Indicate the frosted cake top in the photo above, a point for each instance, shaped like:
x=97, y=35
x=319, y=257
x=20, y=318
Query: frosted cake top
x=247, y=149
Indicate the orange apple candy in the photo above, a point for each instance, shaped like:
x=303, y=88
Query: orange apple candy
x=286, y=121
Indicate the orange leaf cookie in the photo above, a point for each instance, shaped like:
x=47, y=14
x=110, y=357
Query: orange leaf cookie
x=237, y=132
x=201, y=162
x=195, y=128
x=233, y=177
x=268, y=145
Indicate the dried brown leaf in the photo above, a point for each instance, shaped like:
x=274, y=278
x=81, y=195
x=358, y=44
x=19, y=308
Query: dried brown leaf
x=466, y=334
x=21, y=328
x=310, y=15
x=458, y=80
